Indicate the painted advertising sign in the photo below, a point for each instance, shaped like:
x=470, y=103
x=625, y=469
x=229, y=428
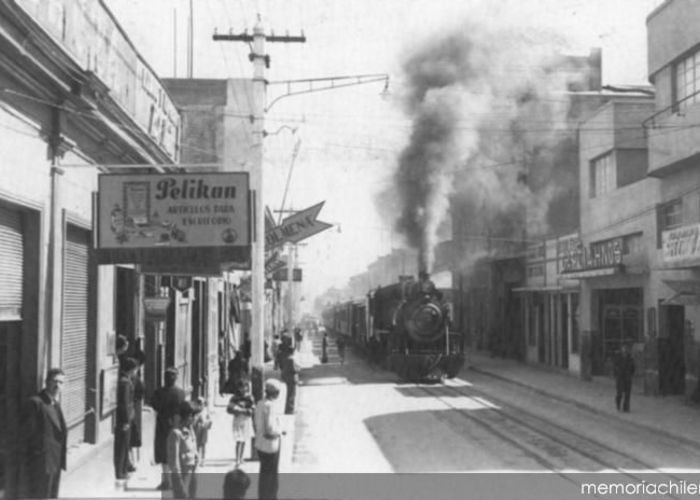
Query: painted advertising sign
x=574, y=257
x=296, y=227
x=681, y=245
x=174, y=219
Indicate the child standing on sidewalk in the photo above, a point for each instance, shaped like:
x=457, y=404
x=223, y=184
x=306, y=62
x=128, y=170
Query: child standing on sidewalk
x=241, y=406
x=182, y=453
x=202, y=424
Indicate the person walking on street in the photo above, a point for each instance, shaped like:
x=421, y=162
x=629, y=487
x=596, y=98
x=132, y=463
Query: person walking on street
x=268, y=436
x=46, y=438
x=166, y=402
x=241, y=406
x=624, y=371
x=182, y=453
x=123, y=421
x=290, y=377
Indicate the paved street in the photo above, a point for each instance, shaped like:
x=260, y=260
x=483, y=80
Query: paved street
x=498, y=415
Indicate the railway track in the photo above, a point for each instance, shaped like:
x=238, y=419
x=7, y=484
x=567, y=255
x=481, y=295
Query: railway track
x=556, y=448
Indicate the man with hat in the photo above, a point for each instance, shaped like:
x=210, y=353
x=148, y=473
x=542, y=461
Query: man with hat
x=166, y=402
x=268, y=434
x=123, y=419
x=46, y=437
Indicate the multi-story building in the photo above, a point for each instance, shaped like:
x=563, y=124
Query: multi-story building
x=674, y=156
x=611, y=255
x=77, y=100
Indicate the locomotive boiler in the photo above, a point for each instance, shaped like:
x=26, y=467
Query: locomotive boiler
x=411, y=325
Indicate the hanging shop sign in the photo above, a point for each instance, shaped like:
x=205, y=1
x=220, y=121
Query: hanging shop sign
x=601, y=257
x=296, y=227
x=681, y=245
x=175, y=222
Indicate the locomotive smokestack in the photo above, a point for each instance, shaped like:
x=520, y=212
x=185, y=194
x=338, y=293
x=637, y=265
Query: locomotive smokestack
x=423, y=263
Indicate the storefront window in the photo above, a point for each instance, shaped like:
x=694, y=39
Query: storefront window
x=621, y=318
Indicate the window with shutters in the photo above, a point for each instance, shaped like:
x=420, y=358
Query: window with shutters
x=74, y=343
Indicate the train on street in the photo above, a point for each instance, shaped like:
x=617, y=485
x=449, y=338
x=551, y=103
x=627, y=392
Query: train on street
x=405, y=326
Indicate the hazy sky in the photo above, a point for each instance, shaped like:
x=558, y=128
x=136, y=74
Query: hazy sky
x=350, y=138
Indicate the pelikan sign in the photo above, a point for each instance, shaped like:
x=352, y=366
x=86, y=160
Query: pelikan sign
x=174, y=218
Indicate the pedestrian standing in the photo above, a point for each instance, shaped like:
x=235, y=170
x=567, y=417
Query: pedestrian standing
x=276, y=342
x=182, y=453
x=237, y=370
x=624, y=371
x=201, y=425
x=166, y=402
x=241, y=406
x=139, y=395
x=45, y=437
x=268, y=433
x=122, y=348
x=123, y=420
x=290, y=377
x=298, y=338
x=324, y=348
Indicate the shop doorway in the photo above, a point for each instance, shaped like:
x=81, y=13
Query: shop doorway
x=621, y=322
x=671, y=352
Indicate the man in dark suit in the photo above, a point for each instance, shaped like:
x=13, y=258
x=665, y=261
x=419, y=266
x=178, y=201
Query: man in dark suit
x=45, y=436
x=124, y=419
x=166, y=402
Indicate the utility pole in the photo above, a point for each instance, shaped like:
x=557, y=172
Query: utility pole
x=260, y=61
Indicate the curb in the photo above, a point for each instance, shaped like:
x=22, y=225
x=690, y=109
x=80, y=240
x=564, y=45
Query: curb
x=584, y=406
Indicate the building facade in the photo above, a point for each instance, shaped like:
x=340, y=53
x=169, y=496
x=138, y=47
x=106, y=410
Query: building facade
x=673, y=67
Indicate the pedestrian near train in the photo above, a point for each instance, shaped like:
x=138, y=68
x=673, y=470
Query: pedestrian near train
x=166, y=402
x=123, y=420
x=268, y=436
x=182, y=453
x=242, y=407
x=624, y=371
x=45, y=437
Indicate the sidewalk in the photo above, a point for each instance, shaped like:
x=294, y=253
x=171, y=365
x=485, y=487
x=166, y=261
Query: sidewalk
x=668, y=415
x=95, y=478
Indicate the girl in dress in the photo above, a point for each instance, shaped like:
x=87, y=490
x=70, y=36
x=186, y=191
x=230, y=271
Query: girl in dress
x=241, y=406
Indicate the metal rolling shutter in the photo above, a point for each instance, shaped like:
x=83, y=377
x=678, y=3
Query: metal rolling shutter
x=11, y=264
x=75, y=324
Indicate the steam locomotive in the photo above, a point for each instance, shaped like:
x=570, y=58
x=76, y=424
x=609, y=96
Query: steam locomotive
x=405, y=326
